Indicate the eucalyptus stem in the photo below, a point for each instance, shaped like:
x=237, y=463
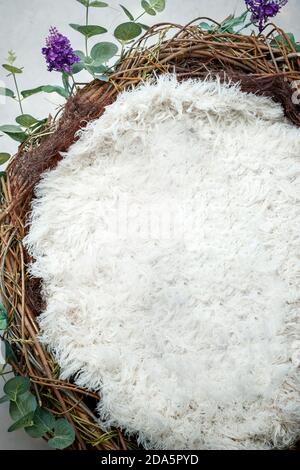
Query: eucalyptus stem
x=74, y=84
x=122, y=51
x=140, y=16
x=86, y=23
x=244, y=27
x=18, y=93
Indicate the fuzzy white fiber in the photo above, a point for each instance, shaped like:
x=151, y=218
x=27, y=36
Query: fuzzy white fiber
x=189, y=331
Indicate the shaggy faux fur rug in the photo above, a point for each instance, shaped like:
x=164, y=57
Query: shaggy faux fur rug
x=168, y=244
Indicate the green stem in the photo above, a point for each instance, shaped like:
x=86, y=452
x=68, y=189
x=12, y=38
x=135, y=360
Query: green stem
x=122, y=51
x=244, y=27
x=18, y=94
x=74, y=84
x=140, y=16
x=86, y=23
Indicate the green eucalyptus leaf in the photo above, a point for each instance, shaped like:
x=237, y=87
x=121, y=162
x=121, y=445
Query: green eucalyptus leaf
x=16, y=387
x=6, y=92
x=39, y=124
x=88, y=60
x=98, y=4
x=24, y=404
x=9, y=352
x=26, y=120
x=206, y=26
x=103, y=78
x=88, y=30
x=158, y=5
x=103, y=51
x=3, y=313
x=93, y=67
x=12, y=129
x=64, y=435
x=4, y=157
x=84, y=2
x=14, y=132
x=66, y=82
x=21, y=137
x=24, y=422
x=46, y=89
x=80, y=54
x=281, y=40
x=78, y=66
x=43, y=422
x=127, y=13
x=127, y=31
x=12, y=69
x=232, y=21
x=144, y=26
x=2, y=175
x=147, y=8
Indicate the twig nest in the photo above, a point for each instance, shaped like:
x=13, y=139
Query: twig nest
x=167, y=240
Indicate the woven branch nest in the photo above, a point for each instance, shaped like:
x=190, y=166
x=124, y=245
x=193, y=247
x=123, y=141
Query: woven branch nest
x=259, y=64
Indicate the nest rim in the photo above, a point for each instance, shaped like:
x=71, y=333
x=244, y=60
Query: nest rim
x=189, y=52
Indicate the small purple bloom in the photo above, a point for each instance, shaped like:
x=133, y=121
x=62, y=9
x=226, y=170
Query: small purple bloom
x=262, y=10
x=58, y=52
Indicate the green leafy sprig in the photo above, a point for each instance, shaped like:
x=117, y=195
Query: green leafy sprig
x=37, y=422
x=25, y=411
x=94, y=61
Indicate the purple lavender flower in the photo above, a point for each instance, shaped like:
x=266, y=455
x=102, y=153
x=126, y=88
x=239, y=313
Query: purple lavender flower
x=58, y=52
x=262, y=10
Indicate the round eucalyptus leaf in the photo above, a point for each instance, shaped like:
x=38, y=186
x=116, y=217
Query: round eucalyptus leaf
x=22, y=423
x=80, y=54
x=6, y=92
x=103, y=51
x=88, y=30
x=16, y=387
x=46, y=89
x=127, y=31
x=64, y=435
x=14, y=132
x=148, y=8
x=24, y=404
x=26, y=120
x=20, y=137
x=93, y=69
x=158, y=5
x=78, y=67
x=43, y=422
x=12, y=129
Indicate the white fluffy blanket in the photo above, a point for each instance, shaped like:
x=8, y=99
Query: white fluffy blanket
x=168, y=244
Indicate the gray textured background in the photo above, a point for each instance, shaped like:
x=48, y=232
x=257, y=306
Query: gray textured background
x=23, y=27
